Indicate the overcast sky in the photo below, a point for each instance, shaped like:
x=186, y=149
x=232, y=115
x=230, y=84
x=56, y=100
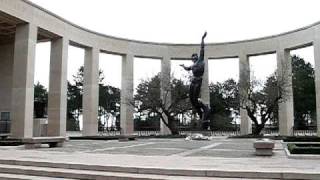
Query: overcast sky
x=179, y=21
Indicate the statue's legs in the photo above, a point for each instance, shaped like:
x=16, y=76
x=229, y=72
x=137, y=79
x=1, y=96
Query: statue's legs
x=194, y=93
x=202, y=109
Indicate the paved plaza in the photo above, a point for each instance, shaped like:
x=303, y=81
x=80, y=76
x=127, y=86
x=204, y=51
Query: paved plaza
x=221, y=147
x=222, y=157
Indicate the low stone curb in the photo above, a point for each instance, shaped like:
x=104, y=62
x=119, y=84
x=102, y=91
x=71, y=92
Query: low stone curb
x=298, y=156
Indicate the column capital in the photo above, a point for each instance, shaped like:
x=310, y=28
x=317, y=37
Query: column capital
x=243, y=56
x=128, y=56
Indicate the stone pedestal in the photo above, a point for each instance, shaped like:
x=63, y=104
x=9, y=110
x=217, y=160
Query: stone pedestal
x=264, y=147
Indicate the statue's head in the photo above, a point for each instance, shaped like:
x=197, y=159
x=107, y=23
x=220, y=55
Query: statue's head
x=194, y=57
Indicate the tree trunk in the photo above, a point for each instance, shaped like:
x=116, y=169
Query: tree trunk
x=258, y=129
x=173, y=126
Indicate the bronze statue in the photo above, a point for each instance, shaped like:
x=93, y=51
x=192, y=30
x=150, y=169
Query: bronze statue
x=197, y=69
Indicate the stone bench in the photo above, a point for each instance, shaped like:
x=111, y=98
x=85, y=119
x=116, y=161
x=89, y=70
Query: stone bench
x=34, y=142
x=264, y=147
x=4, y=135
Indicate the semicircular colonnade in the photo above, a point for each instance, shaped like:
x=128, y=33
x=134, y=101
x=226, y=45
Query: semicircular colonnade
x=25, y=24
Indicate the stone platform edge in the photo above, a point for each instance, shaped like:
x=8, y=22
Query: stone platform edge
x=168, y=171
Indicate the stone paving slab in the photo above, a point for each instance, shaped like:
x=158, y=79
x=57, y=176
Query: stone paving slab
x=162, y=154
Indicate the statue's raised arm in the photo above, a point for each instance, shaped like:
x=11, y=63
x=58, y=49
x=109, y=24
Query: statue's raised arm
x=201, y=57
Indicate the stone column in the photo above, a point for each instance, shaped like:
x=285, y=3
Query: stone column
x=316, y=46
x=23, y=81
x=127, y=109
x=57, y=103
x=244, y=85
x=165, y=91
x=284, y=71
x=91, y=92
x=205, y=94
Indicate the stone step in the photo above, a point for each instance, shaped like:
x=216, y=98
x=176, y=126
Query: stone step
x=47, y=173
x=5, y=176
x=94, y=171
